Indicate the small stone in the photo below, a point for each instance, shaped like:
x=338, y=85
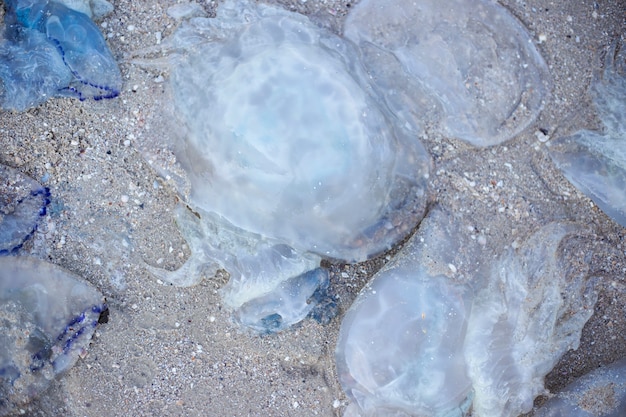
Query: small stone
x=541, y=137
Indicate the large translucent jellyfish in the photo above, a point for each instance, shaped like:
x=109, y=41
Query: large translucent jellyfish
x=47, y=318
x=467, y=65
x=529, y=310
x=399, y=350
x=50, y=50
x=290, y=157
x=595, y=162
x=425, y=339
x=600, y=393
x=23, y=203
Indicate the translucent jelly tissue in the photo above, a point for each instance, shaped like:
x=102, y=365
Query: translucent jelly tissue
x=530, y=309
x=286, y=146
x=467, y=66
x=23, y=203
x=595, y=162
x=50, y=50
x=600, y=393
x=47, y=318
x=426, y=339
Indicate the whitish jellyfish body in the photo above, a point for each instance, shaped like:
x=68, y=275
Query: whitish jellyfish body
x=23, y=203
x=289, y=155
x=47, y=318
x=529, y=310
x=399, y=348
x=595, y=162
x=467, y=65
x=600, y=393
x=418, y=342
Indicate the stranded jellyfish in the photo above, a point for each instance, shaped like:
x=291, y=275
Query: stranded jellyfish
x=595, y=162
x=47, y=318
x=49, y=49
x=429, y=338
x=23, y=203
x=601, y=392
x=468, y=66
x=289, y=154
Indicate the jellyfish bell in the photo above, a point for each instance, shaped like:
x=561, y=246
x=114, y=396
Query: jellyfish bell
x=285, y=145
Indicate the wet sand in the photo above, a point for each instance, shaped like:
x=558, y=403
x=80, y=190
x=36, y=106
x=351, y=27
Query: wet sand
x=170, y=351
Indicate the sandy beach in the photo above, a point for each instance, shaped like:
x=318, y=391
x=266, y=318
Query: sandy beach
x=169, y=351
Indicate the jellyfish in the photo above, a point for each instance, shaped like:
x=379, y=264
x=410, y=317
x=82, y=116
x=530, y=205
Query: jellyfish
x=50, y=50
x=601, y=392
x=467, y=67
x=595, y=161
x=429, y=338
x=23, y=203
x=290, y=155
x=47, y=319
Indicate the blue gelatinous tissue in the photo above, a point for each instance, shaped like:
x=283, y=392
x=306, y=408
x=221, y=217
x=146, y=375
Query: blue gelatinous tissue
x=468, y=66
x=23, y=203
x=595, y=162
x=290, y=157
x=50, y=50
x=285, y=305
x=423, y=339
x=47, y=319
x=269, y=287
x=600, y=393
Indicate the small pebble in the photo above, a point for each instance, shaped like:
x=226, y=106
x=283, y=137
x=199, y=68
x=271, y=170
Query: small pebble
x=541, y=137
